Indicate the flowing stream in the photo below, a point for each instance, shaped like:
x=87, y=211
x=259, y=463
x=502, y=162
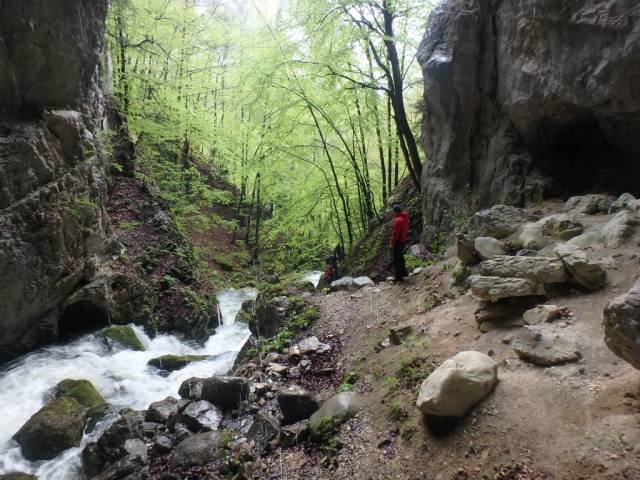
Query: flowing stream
x=313, y=277
x=122, y=377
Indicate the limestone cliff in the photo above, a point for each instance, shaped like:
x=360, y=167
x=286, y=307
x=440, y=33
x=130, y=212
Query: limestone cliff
x=53, y=222
x=527, y=99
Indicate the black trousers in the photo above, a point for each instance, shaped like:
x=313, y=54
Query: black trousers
x=399, y=268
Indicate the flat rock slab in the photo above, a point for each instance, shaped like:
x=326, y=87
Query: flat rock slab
x=540, y=269
x=541, y=314
x=495, y=288
x=586, y=271
x=499, y=221
x=544, y=350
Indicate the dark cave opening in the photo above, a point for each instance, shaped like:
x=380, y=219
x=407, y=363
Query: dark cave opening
x=80, y=318
x=581, y=158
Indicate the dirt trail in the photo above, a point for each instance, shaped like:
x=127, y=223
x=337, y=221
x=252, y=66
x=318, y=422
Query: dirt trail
x=574, y=421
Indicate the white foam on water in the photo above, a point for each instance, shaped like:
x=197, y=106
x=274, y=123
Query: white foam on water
x=122, y=377
x=313, y=277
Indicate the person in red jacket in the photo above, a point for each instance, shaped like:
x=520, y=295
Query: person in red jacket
x=399, y=239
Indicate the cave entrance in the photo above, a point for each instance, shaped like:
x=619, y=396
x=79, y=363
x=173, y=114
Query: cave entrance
x=581, y=159
x=80, y=318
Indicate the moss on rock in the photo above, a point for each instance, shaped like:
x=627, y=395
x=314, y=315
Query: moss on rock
x=83, y=392
x=124, y=336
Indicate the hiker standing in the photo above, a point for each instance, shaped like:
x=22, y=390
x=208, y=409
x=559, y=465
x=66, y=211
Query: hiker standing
x=399, y=238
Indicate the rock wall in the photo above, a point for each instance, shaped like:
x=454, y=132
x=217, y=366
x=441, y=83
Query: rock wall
x=526, y=99
x=53, y=223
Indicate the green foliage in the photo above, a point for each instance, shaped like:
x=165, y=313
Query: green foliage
x=412, y=262
x=82, y=209
x=413, y=371
x=325, y=435
x=131, y=225
x=348, y=382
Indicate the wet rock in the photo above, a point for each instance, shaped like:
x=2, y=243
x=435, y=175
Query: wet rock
x=618, y=230
x=621, y=321
x=344, y=283
x=592, y=204
x=487, y=247
x=465, y=249
x=296, y=404
x=361, y=282
x=561, y=226
x=499, y=221
x=246, y=311
x=224, y=392
x=86, y=394
x=270, y=315
x=457, y=384
x=122, y=336
x=495, y=288
x=292, y=435
x=170, y=363
x=541, y=314
x=337, y=410
x=57, y=426
x=532, y=236
x=17, y=476
x=583, y=269
x=544, y=350
x=198, y=449
x=201, y=415
x=127, y=468
x=312, y=345
x=621, y=203
x=163, y=410
x=539, y=269
x=263, y=430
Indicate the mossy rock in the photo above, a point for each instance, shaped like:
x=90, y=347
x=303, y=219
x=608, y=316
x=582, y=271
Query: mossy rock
x=18, y=476
x=85, y=394
x=123, y=336
x=171, y=363
x=337, y=410
x=57, y=426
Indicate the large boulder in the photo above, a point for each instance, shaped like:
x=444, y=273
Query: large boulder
x=361, y=282
x=226, y=393
x=263, y=430
x=57, y=426
x=622, y=325
x=83, y=392
x=122, y=336
x=618, y=230
x=337, y=410
x=344, y=283
x=457, y=384
x=487, y=247
x=622, y=202
x=495, y=288
x=592, y=204
x=201, y=415
x=499, y=221
x=586, y=271
x=166, y=364
x=198, y=449
x=513, y=112
x=17, y=476
x=296, y=404
x=561, y=226
x=539, y=269
x=270, y=315
x=164, y=410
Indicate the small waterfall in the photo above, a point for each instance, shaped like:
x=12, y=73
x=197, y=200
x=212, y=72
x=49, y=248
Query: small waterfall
x=122, y=377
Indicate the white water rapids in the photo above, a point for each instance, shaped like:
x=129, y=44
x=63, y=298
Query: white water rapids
x=313, y=277
x=122, y=377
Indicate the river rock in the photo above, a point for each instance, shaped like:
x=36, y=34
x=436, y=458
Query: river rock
x=465, y=249
x=539, y=269
x=592, y=204
x=198, y=449
x=499, y=221
x=617, y=230
x=361, y=282
x=17, y=476
x=163, y=444
x=127, y=468
x=292, y=435
x=337, y=410
x=296, y=404
x=170, y=363
x=544, y=350
x=457, y=384
x=561, y=226
x=162, y=411
x=201, y=415
x=86, y=394
x=224, y=392
x=495, y=288
x=583, y=269
x=532, y=236
x=122, y=336
x=541, y=314
x=621, y=321
x=621, y=203
x=263, y=430
x=344, y=283
x=57, y=426
x=312, y=345
x=487, y=247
